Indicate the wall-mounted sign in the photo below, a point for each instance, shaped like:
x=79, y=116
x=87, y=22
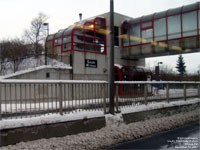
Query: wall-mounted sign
x=90, y=63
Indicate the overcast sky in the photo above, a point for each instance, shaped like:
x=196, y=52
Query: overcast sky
x=16, y=16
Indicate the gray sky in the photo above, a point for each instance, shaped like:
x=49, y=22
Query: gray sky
x=16, y=16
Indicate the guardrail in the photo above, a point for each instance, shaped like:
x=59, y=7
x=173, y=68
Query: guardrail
x=23, y=98
x=29, y=98
x=142, y=92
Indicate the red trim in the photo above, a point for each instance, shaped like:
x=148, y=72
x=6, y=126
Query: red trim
x=197, y=6
x=181, y=12
x=94, y=37
x=160, y=41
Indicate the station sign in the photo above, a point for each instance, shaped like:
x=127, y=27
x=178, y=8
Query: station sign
x=90, y=63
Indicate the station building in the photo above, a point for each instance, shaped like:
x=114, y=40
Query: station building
x=86, y=44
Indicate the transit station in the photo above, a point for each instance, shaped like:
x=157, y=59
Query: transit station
x=86, y=43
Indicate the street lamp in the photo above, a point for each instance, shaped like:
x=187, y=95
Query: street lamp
x=45, y=55
x=157, y=71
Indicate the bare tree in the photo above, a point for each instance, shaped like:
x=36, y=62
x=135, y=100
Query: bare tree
x=13, y=51
x=37, y=33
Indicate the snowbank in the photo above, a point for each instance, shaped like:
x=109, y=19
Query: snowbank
x=80, y=114
x=115, y=132
x=48, y=119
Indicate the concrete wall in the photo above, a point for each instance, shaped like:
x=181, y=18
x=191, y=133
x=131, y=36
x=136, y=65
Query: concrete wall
x=158, y=113
x=13, y=136
x=81, y=72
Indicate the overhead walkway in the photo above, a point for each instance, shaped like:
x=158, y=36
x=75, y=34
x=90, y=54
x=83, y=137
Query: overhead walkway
x=174, y=31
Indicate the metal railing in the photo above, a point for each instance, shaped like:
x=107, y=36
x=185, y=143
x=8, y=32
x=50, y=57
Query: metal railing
x=30, y=98
x=27, y=98
x=143, y=92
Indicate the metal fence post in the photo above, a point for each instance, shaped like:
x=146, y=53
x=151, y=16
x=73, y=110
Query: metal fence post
x=167, y=92
x=0, y=103
x=145, y=93
x=104, y=97
x=199, y=90
x=185, y=95
x=60, y=99
x=117, y=95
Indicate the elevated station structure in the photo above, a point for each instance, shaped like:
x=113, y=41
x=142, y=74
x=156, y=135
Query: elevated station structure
x=86, y=43
x=169, y=32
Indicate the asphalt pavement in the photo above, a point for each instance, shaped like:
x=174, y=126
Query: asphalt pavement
x=182, y=138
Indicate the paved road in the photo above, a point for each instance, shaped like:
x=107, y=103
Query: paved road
x=183, y=138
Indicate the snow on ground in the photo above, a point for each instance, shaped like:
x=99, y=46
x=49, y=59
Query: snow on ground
x=31, y=64
x=115, y=132
x=80, y=114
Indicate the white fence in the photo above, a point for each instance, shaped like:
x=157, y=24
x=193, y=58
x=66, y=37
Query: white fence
x=27, y=98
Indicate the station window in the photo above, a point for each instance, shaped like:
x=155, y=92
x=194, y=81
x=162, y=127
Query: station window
x=135, y=34
x=160, y=29
x=189, y=23
x=174, y=26
x=93, y=37
x=87, y=37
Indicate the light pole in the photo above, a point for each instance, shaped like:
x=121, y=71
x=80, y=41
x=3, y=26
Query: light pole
x=45, y=54
x=111, y=81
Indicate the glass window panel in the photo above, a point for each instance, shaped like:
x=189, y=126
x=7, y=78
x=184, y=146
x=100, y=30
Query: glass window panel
x=160, y=29
x=67, y=39
x=135, y=34
x=89, y=33
x=125, y=35
x=174, y=27
x=89, y=47
x=58, y=41
x=147, y=35
x=189, y=24
x=79, y=39
x=78, y=31
x=99, y=35
x=59, y=34
x=98, y=27
x=100, y=49
x=50, y=37
x=147, y=24
x=78, y=46
x=66, y=47
x=99, y=21
x=89, y=40
x=99, y=42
